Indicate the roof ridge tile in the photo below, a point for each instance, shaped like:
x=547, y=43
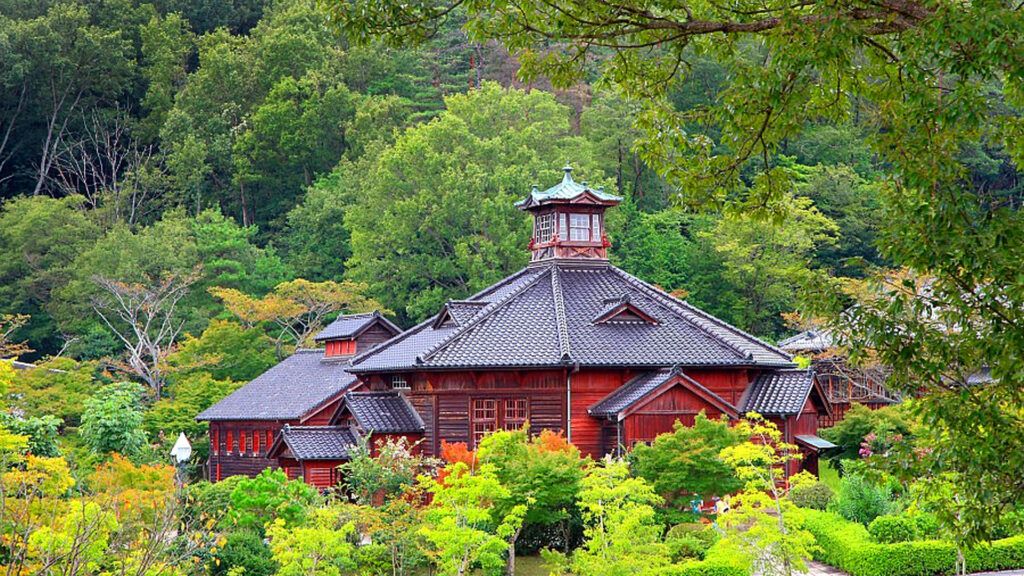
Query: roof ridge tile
x=562, y=324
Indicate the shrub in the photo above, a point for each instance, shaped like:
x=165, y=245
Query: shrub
x=1005, y=554
x=848, y=546
x=892, y=528
x=373, y=560
x=690, y=541
x=246, y=550
x=721, y=559
x=1011, y=524
x=206, y=501
x=268, y=496
x=816, y=496
x=112, y=420
x=861, y=501
x=926, y=525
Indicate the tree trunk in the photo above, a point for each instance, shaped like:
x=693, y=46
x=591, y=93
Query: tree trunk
x=245, y=205
x=510, y=566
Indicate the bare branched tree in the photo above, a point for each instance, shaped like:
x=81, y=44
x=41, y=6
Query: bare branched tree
x=144, y=318
x=8, y=120
x=106, y=165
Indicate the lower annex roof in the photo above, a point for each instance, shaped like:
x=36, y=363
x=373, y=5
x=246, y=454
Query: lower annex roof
x=290, y=390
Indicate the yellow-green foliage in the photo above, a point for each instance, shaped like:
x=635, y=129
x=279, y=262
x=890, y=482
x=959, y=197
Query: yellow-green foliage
x=849, y=547
x=722, y=559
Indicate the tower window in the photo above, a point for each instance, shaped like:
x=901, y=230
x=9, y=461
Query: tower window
x=579, y=227
x=545, y=227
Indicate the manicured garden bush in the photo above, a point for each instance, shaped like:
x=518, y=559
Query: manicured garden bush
x=686, y=541
x=720, y=560
x=814, y=496
x=893, y=528
x=848, y=546
x=927, y=525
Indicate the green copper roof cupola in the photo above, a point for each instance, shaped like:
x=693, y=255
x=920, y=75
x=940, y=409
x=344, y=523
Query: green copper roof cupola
x=568, y=220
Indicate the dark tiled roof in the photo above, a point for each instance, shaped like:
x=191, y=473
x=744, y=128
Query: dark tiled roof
x=385, y=412
x=543, y=316
x=290, y=390
x=462, y=310
x=351, y=325
x=630, y=392
x=319, y=442
x=617, y=308
x=808, y=341
x=778, y=392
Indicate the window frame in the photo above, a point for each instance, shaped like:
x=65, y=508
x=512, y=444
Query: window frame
x=502, y=406
x=396, y=378
x=575, y=217
x=509, y=423
x=476, y=429
x=544, y=223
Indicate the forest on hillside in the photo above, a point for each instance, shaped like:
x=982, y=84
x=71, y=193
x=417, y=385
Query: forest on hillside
x=191, y=189
x=251, y=144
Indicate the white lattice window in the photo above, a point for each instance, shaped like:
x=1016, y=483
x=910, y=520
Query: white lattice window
x=579, y=227
x=544, y=227
x=596, y=227
x=398, y=382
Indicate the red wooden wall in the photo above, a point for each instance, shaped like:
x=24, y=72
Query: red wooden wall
x=727, y=384
x=246, y=452
x=660, y=414
x=322, y=474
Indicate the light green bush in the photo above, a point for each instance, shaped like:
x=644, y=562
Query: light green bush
x=690, y=541
x=720, y=560
x=893, y=528
x=848, y=546
x=815, y=496
x=927, y=525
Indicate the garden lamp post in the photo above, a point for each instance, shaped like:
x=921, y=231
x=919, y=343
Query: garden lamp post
x=181, y=452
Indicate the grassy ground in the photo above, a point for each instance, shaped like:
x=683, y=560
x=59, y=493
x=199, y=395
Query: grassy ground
x=530, y=566
x=828, y=475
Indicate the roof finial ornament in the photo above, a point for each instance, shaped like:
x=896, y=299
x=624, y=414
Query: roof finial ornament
x=568, y=172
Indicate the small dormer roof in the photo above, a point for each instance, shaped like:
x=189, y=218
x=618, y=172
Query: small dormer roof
x=352, y=325
x=458, y=312
x=566, y=190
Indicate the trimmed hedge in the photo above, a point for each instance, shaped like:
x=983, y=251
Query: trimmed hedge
x=893, y=528
x=720, y=560
x=848, y=546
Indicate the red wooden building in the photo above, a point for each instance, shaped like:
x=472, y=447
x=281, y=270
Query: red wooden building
x=573, y=344
x=305, y=389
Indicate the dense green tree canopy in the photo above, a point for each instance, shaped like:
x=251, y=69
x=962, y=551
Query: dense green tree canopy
x=453, y=229
x=937, y=87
